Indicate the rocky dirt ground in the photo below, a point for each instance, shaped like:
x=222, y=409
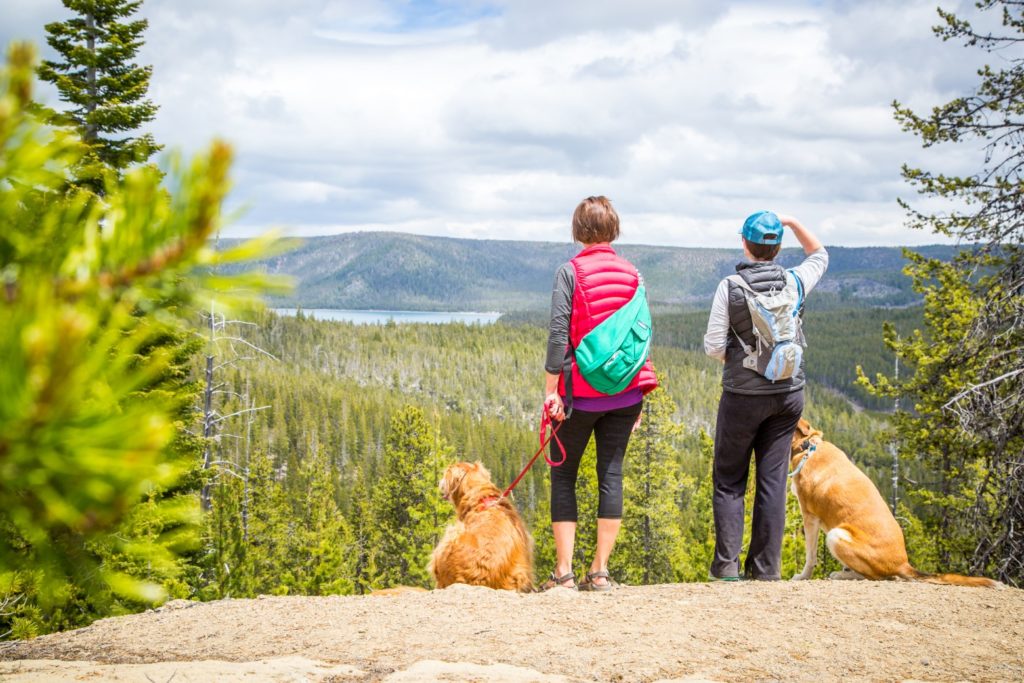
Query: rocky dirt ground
x=808, y=631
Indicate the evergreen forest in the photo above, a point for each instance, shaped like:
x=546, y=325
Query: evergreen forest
x=331, y=486
x=358, y=423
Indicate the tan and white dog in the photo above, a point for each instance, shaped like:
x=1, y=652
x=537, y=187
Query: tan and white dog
x=488, y=545
x=860, y=530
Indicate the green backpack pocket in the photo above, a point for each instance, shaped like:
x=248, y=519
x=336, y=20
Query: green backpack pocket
x=612, y=354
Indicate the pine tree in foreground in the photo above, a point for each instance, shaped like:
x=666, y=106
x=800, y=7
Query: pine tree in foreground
x=326, y=554
x=406, y=507
x=104, y=88
x=85, y=431
x=967, y=385
x=651, y=539
x=699, y=550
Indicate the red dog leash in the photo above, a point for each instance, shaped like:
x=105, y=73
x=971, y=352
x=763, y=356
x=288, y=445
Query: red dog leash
x=545, y=422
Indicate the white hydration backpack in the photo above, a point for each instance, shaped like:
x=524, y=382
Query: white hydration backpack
x=775, y=315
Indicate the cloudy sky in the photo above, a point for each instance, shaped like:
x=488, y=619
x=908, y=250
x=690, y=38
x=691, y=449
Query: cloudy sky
x=493, y=118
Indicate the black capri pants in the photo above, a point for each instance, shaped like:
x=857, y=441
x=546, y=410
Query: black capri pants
x=611, y=430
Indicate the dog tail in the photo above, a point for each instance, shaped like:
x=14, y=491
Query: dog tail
x=910, y=574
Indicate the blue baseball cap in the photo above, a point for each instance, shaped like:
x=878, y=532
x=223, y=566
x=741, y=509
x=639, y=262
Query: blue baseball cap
x=763, y=227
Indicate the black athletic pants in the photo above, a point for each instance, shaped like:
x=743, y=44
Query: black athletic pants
x=611, y=430
x=764, y=425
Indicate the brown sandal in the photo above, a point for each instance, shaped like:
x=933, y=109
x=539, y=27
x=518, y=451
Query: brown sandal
x=589, y=584
x=556, y=581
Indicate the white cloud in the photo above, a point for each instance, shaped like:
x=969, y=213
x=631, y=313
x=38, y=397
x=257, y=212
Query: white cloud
x=493, y=118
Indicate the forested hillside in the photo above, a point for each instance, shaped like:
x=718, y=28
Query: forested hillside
x=332, y=485
x=413, y=272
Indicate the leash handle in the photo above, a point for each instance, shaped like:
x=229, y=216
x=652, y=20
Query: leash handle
x=545, y=421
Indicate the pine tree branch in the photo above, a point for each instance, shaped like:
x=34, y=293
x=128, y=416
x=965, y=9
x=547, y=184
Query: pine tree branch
x=976, y=387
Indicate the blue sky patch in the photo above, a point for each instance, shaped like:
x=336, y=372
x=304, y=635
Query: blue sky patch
x=420, y=15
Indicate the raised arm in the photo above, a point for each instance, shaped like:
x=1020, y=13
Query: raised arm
x=805, y=237
x=814, y=266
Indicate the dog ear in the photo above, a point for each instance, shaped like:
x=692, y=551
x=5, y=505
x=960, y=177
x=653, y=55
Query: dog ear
x=803, y=428
x=451, y=480
x=445, y=482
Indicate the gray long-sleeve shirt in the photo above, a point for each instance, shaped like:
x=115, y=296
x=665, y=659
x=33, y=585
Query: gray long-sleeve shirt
x=561, y=310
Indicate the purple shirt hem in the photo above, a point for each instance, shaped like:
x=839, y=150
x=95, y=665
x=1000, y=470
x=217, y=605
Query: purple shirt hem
x=600, y=404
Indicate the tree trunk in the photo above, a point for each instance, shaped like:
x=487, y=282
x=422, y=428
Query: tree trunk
x=895, y=450
x=245, y=471
x=90, y=74
x=207, y=430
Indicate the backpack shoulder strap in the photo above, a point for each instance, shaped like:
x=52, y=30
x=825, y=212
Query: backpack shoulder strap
x=741, y=283
x=799, y=289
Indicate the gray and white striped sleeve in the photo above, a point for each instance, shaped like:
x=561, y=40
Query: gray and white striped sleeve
x=561, y=310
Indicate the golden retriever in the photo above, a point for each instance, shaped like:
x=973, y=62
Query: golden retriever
x=860, y=530
x=488, y=544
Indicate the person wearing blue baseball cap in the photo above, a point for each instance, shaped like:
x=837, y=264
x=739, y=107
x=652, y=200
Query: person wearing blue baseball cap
x=763, y=227
x=755, y=330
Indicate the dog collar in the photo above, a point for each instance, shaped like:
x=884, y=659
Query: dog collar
x=489, y=501
x=809, y=452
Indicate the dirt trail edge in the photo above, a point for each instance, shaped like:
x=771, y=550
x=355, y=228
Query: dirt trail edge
x=817, y=630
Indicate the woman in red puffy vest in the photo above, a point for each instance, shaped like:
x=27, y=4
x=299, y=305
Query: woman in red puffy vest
x=588, y=289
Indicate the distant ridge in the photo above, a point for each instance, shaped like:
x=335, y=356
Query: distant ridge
x=396, y=271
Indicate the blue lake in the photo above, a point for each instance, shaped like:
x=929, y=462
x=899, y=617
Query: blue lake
x=382, y=317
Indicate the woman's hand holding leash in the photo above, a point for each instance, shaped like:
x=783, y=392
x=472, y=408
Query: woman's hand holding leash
x=554, y=407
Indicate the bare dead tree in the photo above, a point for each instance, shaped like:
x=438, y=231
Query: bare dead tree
x=224, y=342
x=894, y=450
x=251, y=417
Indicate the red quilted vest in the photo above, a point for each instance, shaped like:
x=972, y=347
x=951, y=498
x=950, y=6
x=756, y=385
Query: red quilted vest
x=605, y=282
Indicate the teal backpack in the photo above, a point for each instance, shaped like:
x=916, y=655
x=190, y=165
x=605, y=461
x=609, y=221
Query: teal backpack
x=612, y=354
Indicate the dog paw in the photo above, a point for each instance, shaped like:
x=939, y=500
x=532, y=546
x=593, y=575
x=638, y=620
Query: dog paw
x=799, y=577
x=845, y=575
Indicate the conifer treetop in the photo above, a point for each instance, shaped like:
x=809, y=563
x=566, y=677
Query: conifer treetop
x=96, y=74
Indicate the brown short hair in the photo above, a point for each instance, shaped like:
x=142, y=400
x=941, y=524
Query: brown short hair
x=762, y=252
x=595, y=221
